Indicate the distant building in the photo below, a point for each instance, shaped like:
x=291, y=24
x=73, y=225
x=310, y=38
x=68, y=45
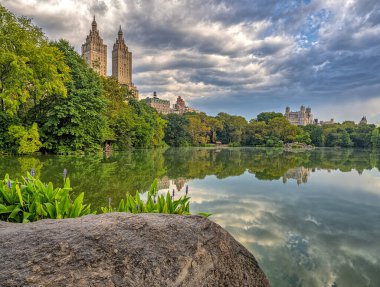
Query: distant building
x=161, y=106
x=180, y=104
x=363, y=121
x=94, y=52
x=330, y=122
x=302, y=117
x=122, y=64
x=180, y=107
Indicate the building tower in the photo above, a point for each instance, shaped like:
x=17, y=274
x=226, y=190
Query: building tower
x=122, y=64
x=121, y=61
x=94, y=52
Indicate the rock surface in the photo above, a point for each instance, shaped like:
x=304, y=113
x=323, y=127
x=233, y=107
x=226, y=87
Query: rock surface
x=122, y=249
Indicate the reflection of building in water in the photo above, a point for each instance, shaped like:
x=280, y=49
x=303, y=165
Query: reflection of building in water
x=167, y=183
x=180, y=182
x=300, y=174
x=163, y=183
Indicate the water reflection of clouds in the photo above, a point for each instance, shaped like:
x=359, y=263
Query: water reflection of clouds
x=326, y=234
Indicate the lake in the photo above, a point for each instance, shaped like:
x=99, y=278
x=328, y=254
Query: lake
x=310, y=218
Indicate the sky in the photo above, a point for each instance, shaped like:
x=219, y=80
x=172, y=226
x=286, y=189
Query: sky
x=242, y=57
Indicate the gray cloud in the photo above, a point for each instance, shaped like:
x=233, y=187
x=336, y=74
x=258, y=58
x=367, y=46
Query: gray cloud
x=237, y=56
x=98, y=7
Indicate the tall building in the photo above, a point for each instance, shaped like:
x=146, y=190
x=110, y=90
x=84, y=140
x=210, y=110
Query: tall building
x=363, y=121
x=302, y=117
x=122, y=64
x=94, y=52
x=121, y=61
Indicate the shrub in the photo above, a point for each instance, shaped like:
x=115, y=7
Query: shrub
x=154, y=204
x=30, y=200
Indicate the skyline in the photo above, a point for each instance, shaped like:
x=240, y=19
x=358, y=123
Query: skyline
x=239, y=57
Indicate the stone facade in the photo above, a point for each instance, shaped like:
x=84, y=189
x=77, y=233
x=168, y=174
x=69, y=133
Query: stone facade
x=180, y=107
x=161, y=106
x=302, y=117
x=94, y=52
x=180, y=104
x=122, y=64
x=330, y=122
x=363, y=121
x=121, y=61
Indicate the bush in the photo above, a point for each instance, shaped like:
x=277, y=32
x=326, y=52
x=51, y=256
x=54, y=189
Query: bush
x=30, y=200
x=154, y=204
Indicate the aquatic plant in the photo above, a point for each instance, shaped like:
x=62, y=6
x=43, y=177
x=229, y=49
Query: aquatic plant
x=30, y=200
x=155, y=203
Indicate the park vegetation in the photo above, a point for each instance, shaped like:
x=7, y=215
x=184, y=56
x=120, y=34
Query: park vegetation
x=52, y=102
x=30, y=200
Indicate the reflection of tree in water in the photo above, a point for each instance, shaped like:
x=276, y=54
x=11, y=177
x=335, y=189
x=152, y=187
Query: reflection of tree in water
x=265, y=164
x=114, y=175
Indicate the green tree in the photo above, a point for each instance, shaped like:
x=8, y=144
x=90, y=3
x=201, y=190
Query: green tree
x=233, y=128
x=256, y=133
x=316, y=134
x=26, y=141
x=198, y=130
x=267, y=116
x=176, y=131
x=75, y=123
x=30, y=68
x=149, y=126
x=375, y=138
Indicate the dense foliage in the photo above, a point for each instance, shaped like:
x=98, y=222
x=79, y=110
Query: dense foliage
x=346, y=134
x=155, y=203
x=30, y=200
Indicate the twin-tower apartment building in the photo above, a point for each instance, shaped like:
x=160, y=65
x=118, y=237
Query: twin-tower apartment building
x=94, y=52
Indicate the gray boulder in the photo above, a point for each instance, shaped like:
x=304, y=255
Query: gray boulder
x=122, y=249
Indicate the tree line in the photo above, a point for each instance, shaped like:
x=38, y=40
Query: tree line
x=269, y=129
x=51, y=101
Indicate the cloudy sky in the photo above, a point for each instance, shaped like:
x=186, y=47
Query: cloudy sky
x=237, y=56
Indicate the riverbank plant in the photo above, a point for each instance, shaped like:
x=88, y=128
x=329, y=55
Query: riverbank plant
x=30, y=199
x=155, y=203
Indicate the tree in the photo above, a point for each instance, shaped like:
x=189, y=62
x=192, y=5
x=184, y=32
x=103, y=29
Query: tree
x=375, y=138
x=316, y=134
x=256, y=133
x=30, y=68
x=149, y=126
x=267, y=116
x=76, y=122
x=198, y=130
x=26, y=141
x=233, y=127
x=176, y=131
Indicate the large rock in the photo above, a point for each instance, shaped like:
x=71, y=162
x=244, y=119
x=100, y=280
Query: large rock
x=122, y=249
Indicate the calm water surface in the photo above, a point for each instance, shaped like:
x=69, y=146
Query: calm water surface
x=310, y=218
